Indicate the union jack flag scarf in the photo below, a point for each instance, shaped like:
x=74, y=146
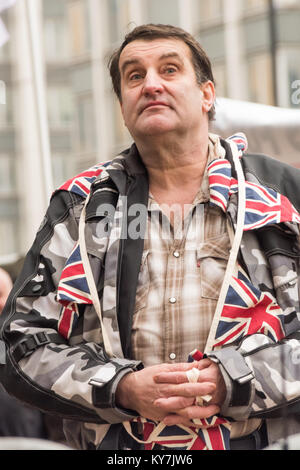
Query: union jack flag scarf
x=246, y=310
x=263, y=205
x=73, y=289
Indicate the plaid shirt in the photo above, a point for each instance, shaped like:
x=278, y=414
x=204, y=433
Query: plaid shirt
x=180, y=278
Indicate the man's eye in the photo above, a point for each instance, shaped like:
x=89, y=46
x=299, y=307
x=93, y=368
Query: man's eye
x=170, y=70
x=135, y=76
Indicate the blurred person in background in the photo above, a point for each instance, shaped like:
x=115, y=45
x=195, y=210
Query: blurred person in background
x=16, y=420
x=159, y=303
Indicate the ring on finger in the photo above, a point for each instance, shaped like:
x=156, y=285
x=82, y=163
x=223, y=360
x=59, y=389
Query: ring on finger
x=192, y=376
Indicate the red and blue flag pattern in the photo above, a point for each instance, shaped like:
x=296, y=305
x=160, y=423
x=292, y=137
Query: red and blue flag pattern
x=72, y=291
x=247, y=311
x=81, y=184
x=264, y=205
x=214, y=434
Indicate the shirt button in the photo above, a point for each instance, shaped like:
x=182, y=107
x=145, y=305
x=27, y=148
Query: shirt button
x=172, y=300
x=172, y=356
x=176, y=254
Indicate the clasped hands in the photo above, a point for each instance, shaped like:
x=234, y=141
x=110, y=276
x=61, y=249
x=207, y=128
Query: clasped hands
x=163, y=392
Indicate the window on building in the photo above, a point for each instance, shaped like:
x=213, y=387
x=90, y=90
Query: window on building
x=165, y=12
x=121, y=135
x=211, y=10
x=9, y=218
x=119, y=19
x=2, y=93
x=7, y=174
x=79, y=22
x=6, y=106
x=63, y=168
x=8, y=236
x=254, y=6
x=5, y=48
x=219, y=71
x=56, y=39
x=86, y=123
x=213, y=42
x=260, y=79
x=60, y=106
x=4, y=52
x=287, y=3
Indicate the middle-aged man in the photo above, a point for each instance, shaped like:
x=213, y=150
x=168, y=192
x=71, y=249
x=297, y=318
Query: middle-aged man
x=159, y=303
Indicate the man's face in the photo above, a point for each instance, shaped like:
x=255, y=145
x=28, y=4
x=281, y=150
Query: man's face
x=159, y=90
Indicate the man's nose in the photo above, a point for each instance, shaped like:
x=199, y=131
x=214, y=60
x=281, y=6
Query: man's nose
x=152, y=83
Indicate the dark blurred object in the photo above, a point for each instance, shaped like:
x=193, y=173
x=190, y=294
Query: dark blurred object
x=54, y=429
x=18, y=420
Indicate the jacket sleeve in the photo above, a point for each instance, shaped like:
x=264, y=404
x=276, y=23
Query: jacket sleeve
x=72, y=378
x=261, y=377
x=261, y=374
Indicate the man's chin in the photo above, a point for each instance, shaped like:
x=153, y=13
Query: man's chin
x=155, y=128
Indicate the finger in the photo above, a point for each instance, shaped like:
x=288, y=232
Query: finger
x=179, y=375
x=171, y=377
x=203, y=364
x=198, y=412
x=173, y=404
x=186, y=390
x=179, y=366
x=191, y=413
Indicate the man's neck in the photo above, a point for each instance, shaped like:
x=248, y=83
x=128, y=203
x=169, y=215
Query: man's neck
x=175, y=168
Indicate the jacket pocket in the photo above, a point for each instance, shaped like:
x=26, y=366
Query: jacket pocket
x=142, y=290
x=212, y=257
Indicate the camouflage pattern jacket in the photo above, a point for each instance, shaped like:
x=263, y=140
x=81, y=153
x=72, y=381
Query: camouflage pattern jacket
x=52, y=353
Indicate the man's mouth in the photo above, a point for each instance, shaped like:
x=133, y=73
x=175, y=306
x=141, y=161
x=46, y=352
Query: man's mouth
x=153, y=104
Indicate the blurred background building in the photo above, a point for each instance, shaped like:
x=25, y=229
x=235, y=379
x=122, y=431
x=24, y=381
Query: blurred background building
x=60, y=115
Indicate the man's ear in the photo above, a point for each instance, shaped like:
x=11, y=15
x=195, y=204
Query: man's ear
x=209, y=96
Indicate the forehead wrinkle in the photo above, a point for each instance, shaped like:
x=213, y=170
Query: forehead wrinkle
x=168, y=55
x=136, y=61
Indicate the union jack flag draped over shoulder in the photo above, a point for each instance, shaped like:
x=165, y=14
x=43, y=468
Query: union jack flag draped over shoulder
x=246, y=309
x=81, y=184
x=264, y=205
x=73, y=289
